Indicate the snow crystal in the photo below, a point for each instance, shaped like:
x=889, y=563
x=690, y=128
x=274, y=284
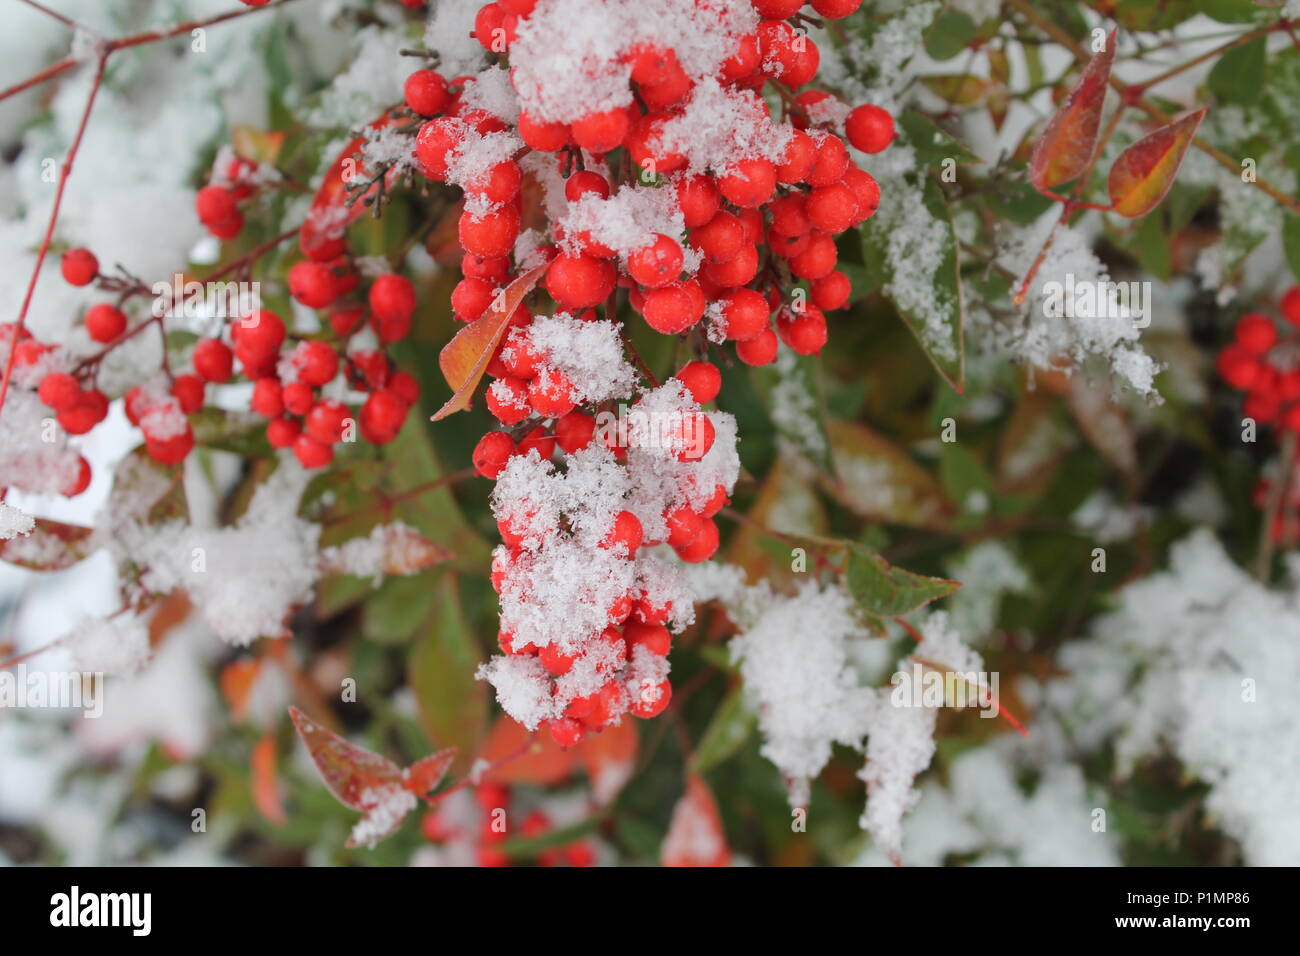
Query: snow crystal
x=721, y=125
x=450, y=33
x=626, y=221
x=901, y=745
x=117, y=645
x=569, y=57
x=14, y=523
x=590, y=353
x=385, y=808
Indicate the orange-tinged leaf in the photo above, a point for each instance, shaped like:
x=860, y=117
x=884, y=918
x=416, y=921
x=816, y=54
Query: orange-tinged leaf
x=1143, y=173
x=266, y=788
x=427, y=772
x=1067, y=145
x=236, y=680
x=330, y=213
x=695, y=836
x=979, y=691
x=402, y=551
x=609, y=758
x=543, y=764
x=465, y=358
x=260, y=146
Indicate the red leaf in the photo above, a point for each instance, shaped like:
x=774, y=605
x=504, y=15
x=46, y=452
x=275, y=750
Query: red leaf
x=465, y=358
x=695, y=836
x=236, y=681
x=544, y=763
x=1067, y=145
x=427, y=772
x=1143, y=173
x=349, y=771
x=266, y=789
x=330, y=214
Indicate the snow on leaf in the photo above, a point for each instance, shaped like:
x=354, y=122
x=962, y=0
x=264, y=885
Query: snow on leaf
x=1065, y=147
x=262, y=147
x=465, y=358
x=390, y=549
x=330, y=214
x=49, y=546
x=1143, y=173
x=349, y=771
x=695, y=836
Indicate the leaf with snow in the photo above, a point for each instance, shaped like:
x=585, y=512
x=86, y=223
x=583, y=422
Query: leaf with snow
x=695, y=836
x=47, y=545
x=390, y=549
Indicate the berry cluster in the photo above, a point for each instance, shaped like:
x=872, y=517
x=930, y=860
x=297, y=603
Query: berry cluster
x=1263, y=364
x=665, y=182
x=234, y=181
x=485, y=828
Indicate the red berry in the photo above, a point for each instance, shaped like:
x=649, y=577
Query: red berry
x=671, y=309
x=215, y=205
x=698, y=198
x=79, y=266
x=491, y=454
x=657, y=263
x=830, y=161
x=579, y=282
x=1256, y=333
x=653, y=637
x=493, y=234
x=749, y=182
x=869, y=128
x=551, y=393
x=59, y=391
x=776, y=9
x=835, y=9
x=744, y=314
x=213, y=360
x=437, y=140
x=543, y=137
x=626, y=535
x=832, y=208
x=282, y=432
x=80, y=482
x=227, y=228
x=565, y=731
x=600, y=132
x=585, y=182
x=831, y=291
x=90, y=409
x=471, y=298
x=499, y=184
x=392, y=298
x=298, y=398
x=267, y=400
x=683, y=527
x=260, y=332
x=404, y=386
x=817, y=260
x=759, y=350
x=1238, y=367
x=800, y=154
x=425, y=92
x=867, y=191
x=382, y=416
x=703, y=546
x=804, y=332
x=719, y=239
x=536, y=440
x=312, y=453
x=702, y=380
x=316, y=362
x=188, y=392
x=575, y=431
x=736, y=271
x=651, y=700
x=507, y=399
x=312, y=284
x=1291, y=305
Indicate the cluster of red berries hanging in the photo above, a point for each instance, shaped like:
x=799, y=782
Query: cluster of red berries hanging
x=666, y=181
x=483, y=829
x=1266, y=365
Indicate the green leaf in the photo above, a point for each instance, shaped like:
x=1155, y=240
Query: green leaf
x=1239, y=76
x=894, y=266
x=550, y=840
x=931, y=144
x=452, y=704
x=883, y=590
x=965, y=478
x=949, y=34
x=1230, y=11
x=394, y=612
x=1291, y=243
x=791, y=390
x=732, y=724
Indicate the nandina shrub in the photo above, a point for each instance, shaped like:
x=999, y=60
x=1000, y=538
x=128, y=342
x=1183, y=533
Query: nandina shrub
x=627, y=429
